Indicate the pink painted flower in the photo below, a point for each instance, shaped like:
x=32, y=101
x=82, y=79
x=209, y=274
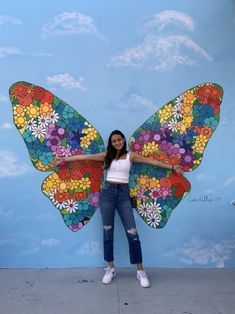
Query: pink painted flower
x=94, y=199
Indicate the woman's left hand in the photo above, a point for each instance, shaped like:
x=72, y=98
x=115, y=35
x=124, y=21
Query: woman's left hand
x=178, y=169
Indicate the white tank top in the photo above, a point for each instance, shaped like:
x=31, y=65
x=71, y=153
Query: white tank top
x=119, y=170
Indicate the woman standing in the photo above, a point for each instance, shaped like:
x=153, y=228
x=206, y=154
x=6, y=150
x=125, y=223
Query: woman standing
x=115, y=195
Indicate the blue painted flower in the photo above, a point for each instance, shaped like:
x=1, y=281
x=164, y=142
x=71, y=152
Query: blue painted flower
x=46, y=158
x=212, y=123
x=28, y=137
x=83, y=205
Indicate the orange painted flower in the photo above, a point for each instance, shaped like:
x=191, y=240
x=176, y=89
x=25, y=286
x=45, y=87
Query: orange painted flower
x=206, y=131
x=61, y=197
x=209, y=93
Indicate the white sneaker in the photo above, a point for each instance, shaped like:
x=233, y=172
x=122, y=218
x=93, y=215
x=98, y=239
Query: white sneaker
x=109, y=275
x=144, y=282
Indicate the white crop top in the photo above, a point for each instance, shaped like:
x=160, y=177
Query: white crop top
x=119, y=170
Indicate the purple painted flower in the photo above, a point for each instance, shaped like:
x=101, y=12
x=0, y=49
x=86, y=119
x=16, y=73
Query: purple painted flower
x=94, y=199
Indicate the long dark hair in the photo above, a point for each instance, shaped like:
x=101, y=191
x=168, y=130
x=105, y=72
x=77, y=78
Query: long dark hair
x=111, y=152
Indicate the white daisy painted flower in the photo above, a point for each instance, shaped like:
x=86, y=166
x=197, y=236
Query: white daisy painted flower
x=179, y=100
x=43, y=121
x=144, y=210
x=154, y=219
x=173, y=124
x=53, y=117
x=176, y=112
x=31, y=125
x=155, y=207
x=39, y=132
x=71, y=206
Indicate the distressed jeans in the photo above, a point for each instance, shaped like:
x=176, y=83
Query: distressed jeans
x=117, y=196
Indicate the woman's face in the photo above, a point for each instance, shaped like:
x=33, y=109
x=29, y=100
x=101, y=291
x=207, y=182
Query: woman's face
x=117, y=141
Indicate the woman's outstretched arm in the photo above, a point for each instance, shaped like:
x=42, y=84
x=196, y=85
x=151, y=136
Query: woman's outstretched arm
x=145, y=160
x=95, y=157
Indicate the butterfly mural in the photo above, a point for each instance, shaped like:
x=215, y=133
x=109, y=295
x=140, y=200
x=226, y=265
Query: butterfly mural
x=177, y=133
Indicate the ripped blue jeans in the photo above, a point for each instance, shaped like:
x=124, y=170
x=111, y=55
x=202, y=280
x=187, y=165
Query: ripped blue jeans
x=117, y=196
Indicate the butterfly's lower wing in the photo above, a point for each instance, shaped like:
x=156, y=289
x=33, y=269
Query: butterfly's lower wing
x=75, y=191
x=176, y=134
x=51, y=128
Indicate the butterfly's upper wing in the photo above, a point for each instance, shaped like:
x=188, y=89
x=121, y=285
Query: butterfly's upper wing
x=176, y=134
x=51, y=128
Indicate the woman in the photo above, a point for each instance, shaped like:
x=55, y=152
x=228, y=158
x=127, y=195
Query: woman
x=116, y=195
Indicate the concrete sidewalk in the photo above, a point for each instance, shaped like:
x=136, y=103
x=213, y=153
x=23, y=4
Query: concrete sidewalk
x=67, y=291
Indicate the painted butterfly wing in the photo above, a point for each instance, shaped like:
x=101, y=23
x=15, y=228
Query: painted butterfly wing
x=51, y=128
x=178, y=133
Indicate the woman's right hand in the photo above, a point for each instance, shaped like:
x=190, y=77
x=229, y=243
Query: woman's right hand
x=57, y=161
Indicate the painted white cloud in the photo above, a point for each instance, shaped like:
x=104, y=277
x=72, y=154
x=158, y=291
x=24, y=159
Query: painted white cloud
x=50, y=242
x=66, y=80
x=221, y=187
x=6, y=51
x=69, y=23
x=90, y=248
x=44, y=216
x=161, y=53
x=7, y=126
x=10, y=165
x=30, y=251
x=6, y=19
x=205, y=177
x=3, y=98
x=134, y=101
x=207, y=252
x=164, y=18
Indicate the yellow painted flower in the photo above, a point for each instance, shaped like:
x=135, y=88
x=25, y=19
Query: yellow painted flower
x=84, y=183
x=33, y=111
x=186, y=109
x=41, y=167
x=187, y=121
x=143, y=181
x=48, y=185
x=20, y=121
x=165, y=113
x=150, y=148
x=181, y=127
x=189, y=96
x=200, y=144
x=91, y=133
x=45, y=109
x=55, y=179
x=19, y=110
x=154, y=183
x=85, y=142
x=197, y=161
x=133, y=192
x=138, y=203
x=73, y=184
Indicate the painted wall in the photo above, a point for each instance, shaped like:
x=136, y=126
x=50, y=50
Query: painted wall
x=116, y=63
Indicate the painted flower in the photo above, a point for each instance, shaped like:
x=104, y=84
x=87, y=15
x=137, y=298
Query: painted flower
x=165, y=113
x=39, y=132
x=45, y=109
x=208, y=93
x=71, y=206
x=43, y=121
x=62, y=151
x=143, y=181
x=85, y=142
x=189, y=97
x=20, y=121
x=164, y=192
x=154, y=193
x=91, y=133
x=94, y=199
x=84, y=183
x=46, y=158
x=153, y=219
x=211, y=123
x=53, y=116
x=173, y=124
x=84, y=205
x=33, y=111
x=155, y=207
x=150, y=148
x=200, y=143
x=19, y=110
x=179, y=101
x=176, y=112
x=31, y=125
x=144, y=210
x=153, y=182
x=141, y=195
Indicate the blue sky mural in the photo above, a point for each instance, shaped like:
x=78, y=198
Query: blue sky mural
x=116, y=63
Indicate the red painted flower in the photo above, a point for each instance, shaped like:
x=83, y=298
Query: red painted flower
x=39, y=93
x=64, y=174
